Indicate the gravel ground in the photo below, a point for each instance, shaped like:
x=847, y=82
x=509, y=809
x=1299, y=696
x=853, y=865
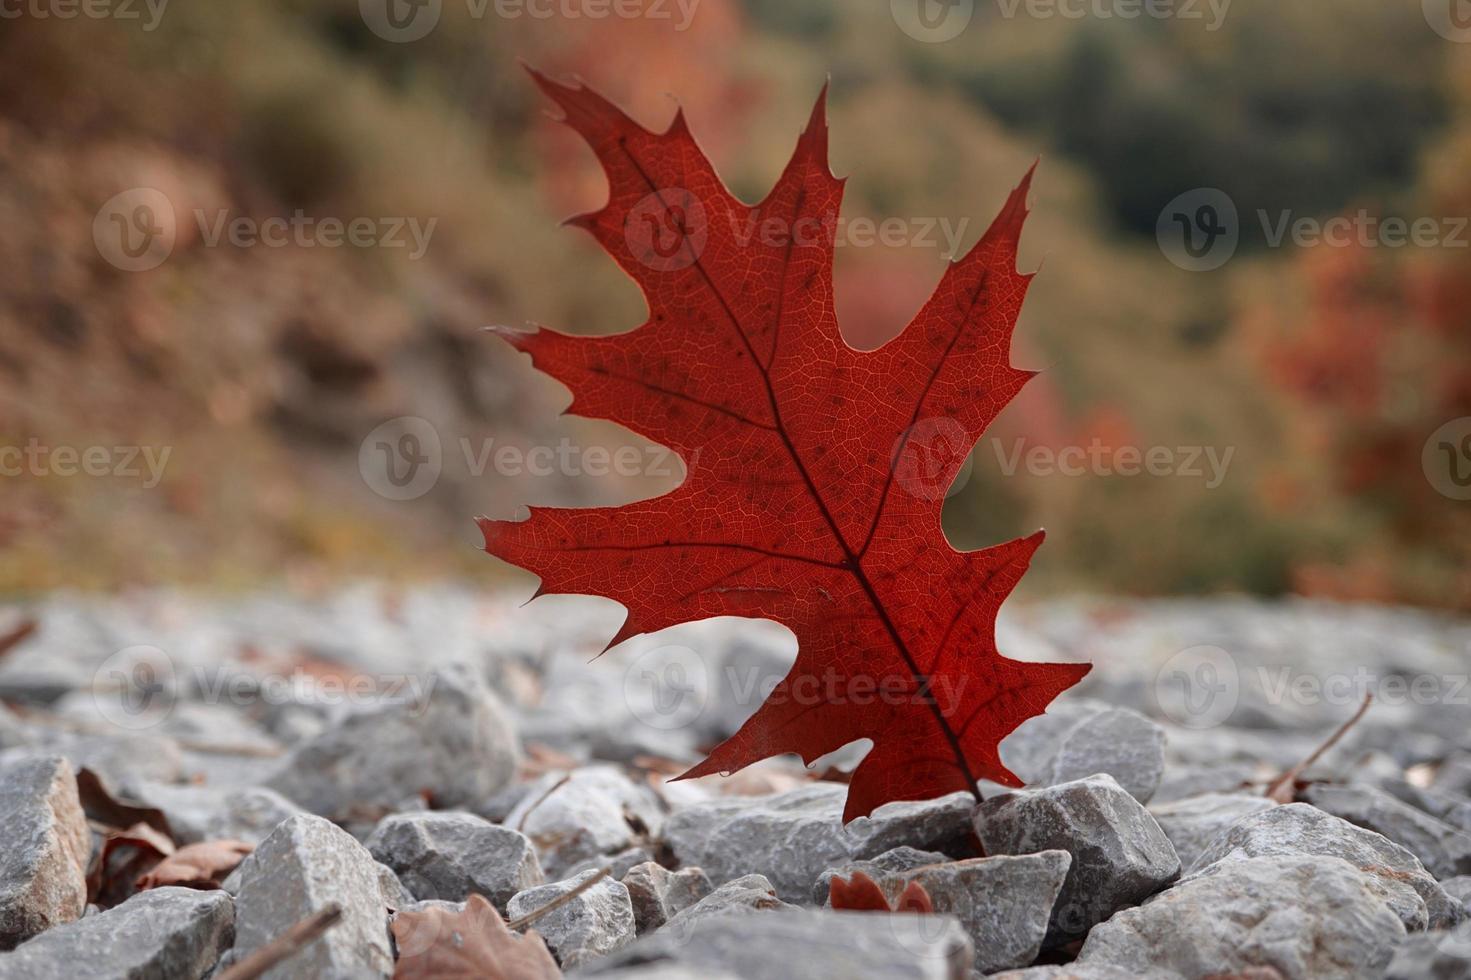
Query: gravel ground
x=390, y=751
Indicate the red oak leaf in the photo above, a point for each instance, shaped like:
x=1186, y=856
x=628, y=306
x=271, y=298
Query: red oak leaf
x=816, y=472
x=863, y=894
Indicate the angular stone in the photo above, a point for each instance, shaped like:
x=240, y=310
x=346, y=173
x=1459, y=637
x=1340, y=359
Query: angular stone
x=1444, y=850
x=618, y=864
x=812, y=944
x=1433, y=956
x=743, y=896
x=200, y=813
x=1122, y=743
x=1454, y=776
x=1453, y=810
x=1003, y=903
x=878, y=868
x=584, y=814
x=1030, y=749
x=306, y=864
x=1192, y=824
x=658, y=893
x=166, y=932
x=793, y=837
x=1186, y=779
x=453, y=744
x=1302, y=830
x=1307, y=918
x=452, y=856
x=391, y=889
x=44, y=848
x=593, y=924
x=1120, y=855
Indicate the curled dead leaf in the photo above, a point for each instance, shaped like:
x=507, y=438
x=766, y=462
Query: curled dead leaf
x=472, y=944
x=203, y=865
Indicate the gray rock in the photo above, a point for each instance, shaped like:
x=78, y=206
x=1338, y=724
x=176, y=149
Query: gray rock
x=812, y=944
x=44, y=848
x=743, y=896
x=1183, y=780
x=167, y=932
x=453, y=745
x=1302, y=830
x=306, y=864
x=1308, y=918
x=1073, y=971
x=1444, y=850
x=13, y=732
x=1433, y=956
x=1120, y=855
x=391, y=889
x=877, y=868
x=585, y=814
x=658, y=893
x=618, y=864
x=1193, y=823
x=1459, y=888
x=1122, y=743
x=124, y=759
x=1029, y=750
x=1454, y=776
x=1454, y=810
x=593, y=924
x=793, y=837
x=200, y=813
x=452, y=856
x=1003, y=903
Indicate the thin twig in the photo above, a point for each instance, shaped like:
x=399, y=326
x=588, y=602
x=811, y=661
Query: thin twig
x=1283, y=789
x=555, y=903
x=285, y=946
x=521, y=824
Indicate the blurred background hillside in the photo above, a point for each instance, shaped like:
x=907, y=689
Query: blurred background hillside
x=1317, y=373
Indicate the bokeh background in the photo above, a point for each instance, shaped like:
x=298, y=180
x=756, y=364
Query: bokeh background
x=1323, y=369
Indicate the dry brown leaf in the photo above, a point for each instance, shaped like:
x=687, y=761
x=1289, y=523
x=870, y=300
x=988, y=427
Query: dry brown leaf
x=202, y=865
x=122, y=858
x=473, y=944
x=99, y=804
